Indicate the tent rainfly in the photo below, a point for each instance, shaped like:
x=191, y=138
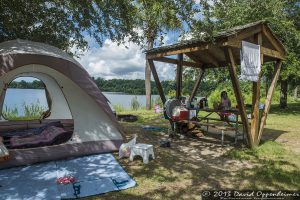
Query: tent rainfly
x=224, y=51
x=75, y=99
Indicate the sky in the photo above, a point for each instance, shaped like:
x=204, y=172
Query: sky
x=125, y=61
x=116, y=61
x=112, y=61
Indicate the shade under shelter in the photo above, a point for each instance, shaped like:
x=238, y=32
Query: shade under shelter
x=223, y=51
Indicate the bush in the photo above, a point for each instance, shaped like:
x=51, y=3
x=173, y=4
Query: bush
x=215, y=96
x=118, y=108
x=171, y=94
x=135, y=105
x=246, y=89
x=157, y=101
x=10, y=113
x=31, y=111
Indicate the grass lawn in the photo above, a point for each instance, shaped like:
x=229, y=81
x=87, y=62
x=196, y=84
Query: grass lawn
x=195, y=163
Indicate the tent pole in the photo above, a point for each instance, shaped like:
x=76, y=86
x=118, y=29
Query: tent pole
x=238, y=94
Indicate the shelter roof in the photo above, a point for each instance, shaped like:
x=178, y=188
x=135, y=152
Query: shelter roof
x=209, y=51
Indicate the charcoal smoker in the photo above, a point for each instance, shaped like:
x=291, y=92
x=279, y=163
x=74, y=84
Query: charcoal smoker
x=176, y=111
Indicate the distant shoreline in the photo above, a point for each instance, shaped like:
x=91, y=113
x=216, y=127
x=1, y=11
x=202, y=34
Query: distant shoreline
x=119, y=93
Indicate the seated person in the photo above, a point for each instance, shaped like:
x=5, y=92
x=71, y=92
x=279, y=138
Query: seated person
x=225, y=104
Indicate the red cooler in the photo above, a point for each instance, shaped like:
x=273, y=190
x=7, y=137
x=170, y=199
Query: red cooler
x=180, y=113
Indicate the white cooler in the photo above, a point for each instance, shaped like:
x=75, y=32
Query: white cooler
x=192, y=113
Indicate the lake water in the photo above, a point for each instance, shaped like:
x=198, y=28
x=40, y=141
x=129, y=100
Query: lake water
x=16, y=98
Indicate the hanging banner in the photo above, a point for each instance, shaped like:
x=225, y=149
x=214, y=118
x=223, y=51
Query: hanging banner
x=250, y=61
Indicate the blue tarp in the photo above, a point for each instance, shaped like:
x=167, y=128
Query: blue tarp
x=94, y=175
x=151, y=128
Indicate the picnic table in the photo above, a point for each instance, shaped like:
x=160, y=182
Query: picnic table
x=227, y=125
x=228, y=112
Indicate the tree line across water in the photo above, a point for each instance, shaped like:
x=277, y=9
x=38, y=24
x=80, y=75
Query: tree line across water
x=136, y=87
x=210, y=87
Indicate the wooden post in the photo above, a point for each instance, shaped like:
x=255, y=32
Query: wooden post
x=156, y=79
x=179, y=76
x=238, y=95
x=197, y=84
x=269, y=99
x=256, y=99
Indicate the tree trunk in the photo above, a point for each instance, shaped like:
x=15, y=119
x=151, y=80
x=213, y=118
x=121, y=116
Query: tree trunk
x=148, y=79
x=296, y=92
x=283, y=93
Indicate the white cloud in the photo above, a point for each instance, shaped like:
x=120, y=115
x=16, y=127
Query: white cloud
x=116, y=61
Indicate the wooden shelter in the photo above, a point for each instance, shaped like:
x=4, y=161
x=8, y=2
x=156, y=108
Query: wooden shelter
x=224, y=51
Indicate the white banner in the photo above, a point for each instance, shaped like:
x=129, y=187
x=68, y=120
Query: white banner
x=250, y=61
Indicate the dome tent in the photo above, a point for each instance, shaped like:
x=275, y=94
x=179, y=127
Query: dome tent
x=75, y=98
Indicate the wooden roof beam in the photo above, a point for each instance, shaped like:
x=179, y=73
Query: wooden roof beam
x=175, y=61
x=272, y=53
x=193, y=57
x=265, y=51
x=197, y=59
x=211, y=59
x=273, y=40
x=177, y=51
x=248, y=32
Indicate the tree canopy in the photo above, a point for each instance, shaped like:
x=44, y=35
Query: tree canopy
x=154, y=19
x=69, y=23
x=282, y=15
